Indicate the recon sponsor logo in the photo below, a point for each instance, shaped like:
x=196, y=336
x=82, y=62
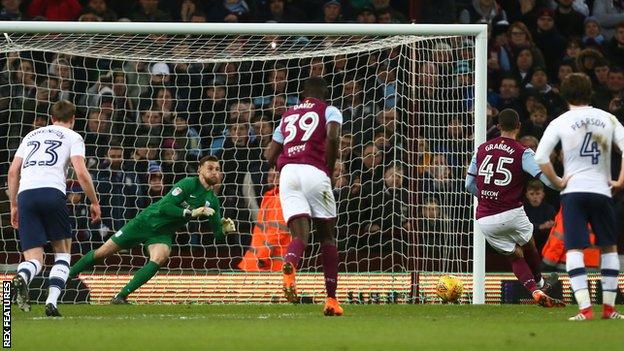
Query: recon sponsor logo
x=295, y=149
x=489, y=193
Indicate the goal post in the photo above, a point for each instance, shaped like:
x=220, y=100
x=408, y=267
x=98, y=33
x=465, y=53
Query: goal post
x=414, y=94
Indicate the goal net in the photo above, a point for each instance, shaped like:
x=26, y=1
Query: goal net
x=149, y=106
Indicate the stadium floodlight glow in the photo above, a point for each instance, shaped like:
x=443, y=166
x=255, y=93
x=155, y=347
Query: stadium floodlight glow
x=418, y=90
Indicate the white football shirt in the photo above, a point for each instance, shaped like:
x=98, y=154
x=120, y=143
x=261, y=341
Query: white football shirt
x=586, y=134
x=45, y=154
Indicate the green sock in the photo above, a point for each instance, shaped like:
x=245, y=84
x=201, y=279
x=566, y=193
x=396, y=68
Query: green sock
x=87, y=261
x=140, y=277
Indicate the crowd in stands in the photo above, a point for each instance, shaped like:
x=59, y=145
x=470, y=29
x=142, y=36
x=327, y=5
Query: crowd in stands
x=402, y=162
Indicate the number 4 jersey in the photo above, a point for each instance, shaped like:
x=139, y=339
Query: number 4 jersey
x=586, y=135
x=501, y=167
x=302, y=133
x=45, y=154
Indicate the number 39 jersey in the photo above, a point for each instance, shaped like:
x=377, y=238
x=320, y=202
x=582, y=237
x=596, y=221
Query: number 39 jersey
x=45, y=154
x=302, y=133
x=501, y=166
x=586, y=136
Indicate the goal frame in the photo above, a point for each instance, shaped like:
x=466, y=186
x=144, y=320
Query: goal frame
x=480, y=82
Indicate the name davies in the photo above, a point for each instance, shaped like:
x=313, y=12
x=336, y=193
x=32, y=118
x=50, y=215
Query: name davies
x=588, y=121
x=504, y=147
x=307, y=105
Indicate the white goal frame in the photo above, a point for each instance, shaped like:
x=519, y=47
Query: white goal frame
x=477, y=30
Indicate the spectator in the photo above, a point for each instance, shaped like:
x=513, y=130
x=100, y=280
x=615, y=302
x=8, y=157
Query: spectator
x=568, y=20
x=438, y=11
x=609, y=13
x=151, y=124
x=566, y=67
x=148, y=11
x=239, y=157
x=358, y=113
x=270, y=237
x=188, y=138
x=545, y=93
x=278, y=11
x=11, y=10
x=368, y=170
x=520, y=39
x=525, y=63
x=522, y=10
x=55, y=10
x=549, y=41
x=540, y=214
x=98, y=134
x=392, y=218
x=263, y=130
x=172, y=157
x=379, y=5
x=482, y=11
x=211, y=116
x=592, y=34
x=331, y=12
x=124, y=109
x=155, y=186
x=118, y=189
x=601, y=75
x=187, y=9
x=508, y=95
x=316, y=67
x=615, y=47
x=611, y=98
x=100, y=8
x=365, y=15
x=573, y=49
x=88, y=15
x=230, y=11
x=538, y=118
x=586, y=61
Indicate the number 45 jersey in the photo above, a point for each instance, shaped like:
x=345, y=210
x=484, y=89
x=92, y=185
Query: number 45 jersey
x=45, y=154
x=586, y=136
x=501, y=167
x=302, y=132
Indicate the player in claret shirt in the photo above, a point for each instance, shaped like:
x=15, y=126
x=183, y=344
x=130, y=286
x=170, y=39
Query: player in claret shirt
x=305, y=148
x=192, y=197
x=496, y=176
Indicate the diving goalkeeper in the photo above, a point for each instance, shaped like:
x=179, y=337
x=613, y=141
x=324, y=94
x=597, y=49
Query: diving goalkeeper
x=154, y=227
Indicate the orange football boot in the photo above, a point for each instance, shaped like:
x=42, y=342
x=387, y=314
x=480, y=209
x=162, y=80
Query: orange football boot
x=332, y=307
x=289, y=287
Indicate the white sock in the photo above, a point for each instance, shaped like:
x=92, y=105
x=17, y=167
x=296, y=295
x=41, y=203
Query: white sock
x=540, y=284
x=58, y=277
x=578, y=278
x=29, y=269
x=609, y=269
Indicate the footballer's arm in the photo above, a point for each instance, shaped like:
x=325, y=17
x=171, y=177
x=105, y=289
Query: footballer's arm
x=332, y=142
x=272, y=152
x=13, y=184
x=86, y=182
x=470, y=183
x=542, y=156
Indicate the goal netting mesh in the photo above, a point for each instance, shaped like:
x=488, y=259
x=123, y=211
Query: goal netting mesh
x=149, y=106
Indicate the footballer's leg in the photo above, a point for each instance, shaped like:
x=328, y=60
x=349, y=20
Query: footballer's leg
x=158, y=255
x=26, y=271
x=525, y=276
x=58, y=275
x=575, y=219
x=533, y=259
x=326, y=229
x=300, y=230
x=609, y=270
x=87, y=261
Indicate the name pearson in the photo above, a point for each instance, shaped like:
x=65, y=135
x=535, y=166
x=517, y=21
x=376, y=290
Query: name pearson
x=584, y=123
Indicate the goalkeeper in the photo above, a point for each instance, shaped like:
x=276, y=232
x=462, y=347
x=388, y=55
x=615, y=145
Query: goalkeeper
x=154, y=227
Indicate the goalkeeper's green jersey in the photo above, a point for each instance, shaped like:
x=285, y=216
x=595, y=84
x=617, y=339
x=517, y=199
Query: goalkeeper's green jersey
x=167, y=215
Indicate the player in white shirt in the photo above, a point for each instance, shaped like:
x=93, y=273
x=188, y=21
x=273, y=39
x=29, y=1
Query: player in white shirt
x=586, y=136
x=37, y=183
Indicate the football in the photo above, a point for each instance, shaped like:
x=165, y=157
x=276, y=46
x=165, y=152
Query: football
x=449, y=288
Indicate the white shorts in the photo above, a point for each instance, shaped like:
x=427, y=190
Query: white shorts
x=305, y=191
x=506, y=229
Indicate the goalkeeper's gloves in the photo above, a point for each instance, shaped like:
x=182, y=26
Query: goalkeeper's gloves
x=200, y=211
x=228, y=225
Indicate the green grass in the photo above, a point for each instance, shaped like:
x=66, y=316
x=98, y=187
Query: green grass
x=303, y=327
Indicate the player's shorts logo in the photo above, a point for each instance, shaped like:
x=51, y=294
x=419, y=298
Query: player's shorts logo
x=118, y=234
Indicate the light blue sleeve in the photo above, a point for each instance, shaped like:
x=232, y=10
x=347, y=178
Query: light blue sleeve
x=332, y=114
x=278, y=137
x=531, y=167
x=471, y=184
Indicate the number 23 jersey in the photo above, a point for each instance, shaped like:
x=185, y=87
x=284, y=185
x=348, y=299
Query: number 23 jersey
x=45, y=154
x=302, y=132
x=586, y=136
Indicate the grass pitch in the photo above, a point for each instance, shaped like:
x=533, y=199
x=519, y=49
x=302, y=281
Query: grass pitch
x=303, y=327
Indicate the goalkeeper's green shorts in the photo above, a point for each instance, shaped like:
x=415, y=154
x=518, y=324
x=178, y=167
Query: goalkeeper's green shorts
x=136, y=232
